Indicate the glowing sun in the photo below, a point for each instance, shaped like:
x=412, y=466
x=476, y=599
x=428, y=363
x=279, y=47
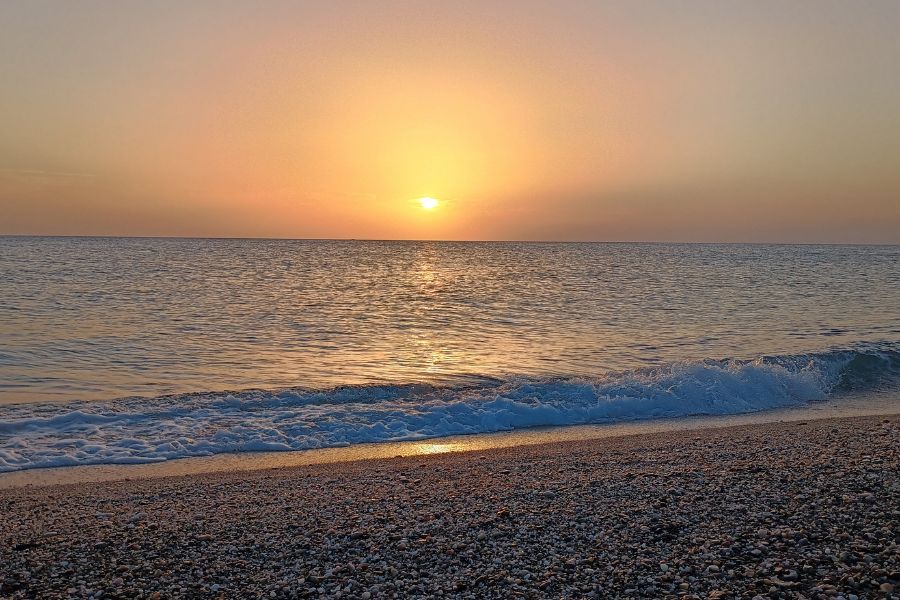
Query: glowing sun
x=428, y=203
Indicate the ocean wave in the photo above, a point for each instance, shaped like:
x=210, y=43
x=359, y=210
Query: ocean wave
x=140, y=430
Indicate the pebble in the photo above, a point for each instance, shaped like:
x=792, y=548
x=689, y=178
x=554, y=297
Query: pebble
x=744, y=512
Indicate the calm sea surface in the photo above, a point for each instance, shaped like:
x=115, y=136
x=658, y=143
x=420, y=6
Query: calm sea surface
x=88, y=318
x=495, y=335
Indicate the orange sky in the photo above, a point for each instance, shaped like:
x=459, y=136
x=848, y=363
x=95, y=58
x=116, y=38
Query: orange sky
x=701, y=121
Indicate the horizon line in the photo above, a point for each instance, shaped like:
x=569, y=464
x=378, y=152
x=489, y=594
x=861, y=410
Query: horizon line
x=444, y=241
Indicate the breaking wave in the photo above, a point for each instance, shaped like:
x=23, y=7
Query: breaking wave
x=140, y=430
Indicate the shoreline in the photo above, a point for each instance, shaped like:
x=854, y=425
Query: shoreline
x=774, y=509
x=869, y=405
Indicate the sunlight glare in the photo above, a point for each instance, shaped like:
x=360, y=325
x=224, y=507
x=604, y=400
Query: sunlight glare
x=438, y=448
x=428, y=203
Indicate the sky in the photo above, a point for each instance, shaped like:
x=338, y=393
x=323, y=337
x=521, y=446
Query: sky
x=708, y=121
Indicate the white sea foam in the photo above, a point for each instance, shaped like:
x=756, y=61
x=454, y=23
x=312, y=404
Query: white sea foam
x=138, y=430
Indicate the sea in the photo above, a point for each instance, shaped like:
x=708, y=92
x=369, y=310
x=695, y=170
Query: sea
x=135, y=350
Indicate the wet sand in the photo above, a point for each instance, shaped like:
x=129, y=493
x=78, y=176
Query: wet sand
x=778, y=510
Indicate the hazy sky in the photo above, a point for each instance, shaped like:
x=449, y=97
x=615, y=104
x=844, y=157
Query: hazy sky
x=691, y=121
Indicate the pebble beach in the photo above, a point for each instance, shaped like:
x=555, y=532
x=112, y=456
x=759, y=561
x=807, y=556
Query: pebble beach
x=779, y=510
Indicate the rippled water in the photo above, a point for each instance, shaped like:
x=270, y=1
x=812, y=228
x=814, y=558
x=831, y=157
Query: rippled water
x=90, y=318
x=140, y=350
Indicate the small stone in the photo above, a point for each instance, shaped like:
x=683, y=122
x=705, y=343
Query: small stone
x=776, y=531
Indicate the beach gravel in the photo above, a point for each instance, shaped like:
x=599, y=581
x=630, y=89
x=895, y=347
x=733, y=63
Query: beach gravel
x=782, y=510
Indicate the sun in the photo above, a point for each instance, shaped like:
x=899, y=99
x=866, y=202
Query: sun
x=428, y=203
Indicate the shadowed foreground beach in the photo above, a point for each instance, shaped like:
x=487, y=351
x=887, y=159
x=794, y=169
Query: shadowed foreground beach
x=783, y=510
